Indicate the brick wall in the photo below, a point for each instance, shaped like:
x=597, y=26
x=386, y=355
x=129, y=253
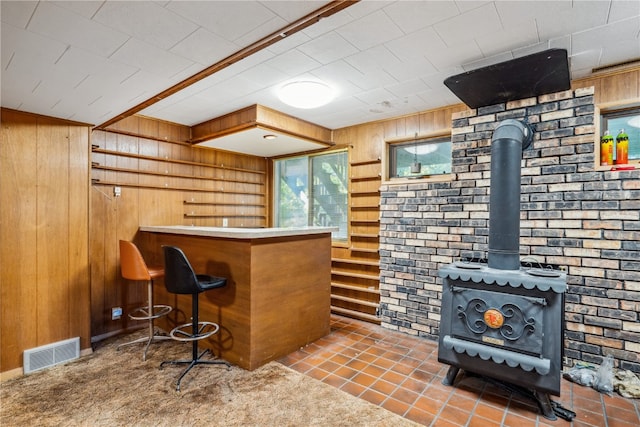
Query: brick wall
x=573, y=216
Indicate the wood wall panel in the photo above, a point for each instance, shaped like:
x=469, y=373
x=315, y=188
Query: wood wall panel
x=44, y=269
x=154, y=199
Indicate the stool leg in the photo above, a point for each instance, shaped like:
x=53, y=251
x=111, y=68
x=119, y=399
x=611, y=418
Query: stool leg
x=152, y=336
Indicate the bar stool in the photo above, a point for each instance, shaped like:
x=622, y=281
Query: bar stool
x=181, y=279
x=133, y=267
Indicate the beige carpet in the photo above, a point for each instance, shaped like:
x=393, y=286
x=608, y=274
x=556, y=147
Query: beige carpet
x=116, y=388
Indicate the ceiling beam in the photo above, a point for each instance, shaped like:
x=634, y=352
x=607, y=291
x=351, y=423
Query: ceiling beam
x=298, y=25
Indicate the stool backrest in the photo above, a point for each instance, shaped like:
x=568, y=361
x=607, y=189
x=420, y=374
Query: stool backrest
x=132, y=265
x=179, y=277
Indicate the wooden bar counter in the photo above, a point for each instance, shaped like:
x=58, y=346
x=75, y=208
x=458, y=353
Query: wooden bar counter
x=278, y=292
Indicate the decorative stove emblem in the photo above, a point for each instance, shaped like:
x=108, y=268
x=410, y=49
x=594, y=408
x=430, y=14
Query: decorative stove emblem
x=493, y=318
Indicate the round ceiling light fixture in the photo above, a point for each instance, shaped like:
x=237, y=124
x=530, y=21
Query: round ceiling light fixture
x=306, y=94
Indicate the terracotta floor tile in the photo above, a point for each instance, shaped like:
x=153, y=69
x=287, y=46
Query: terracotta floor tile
x=352, y=388
x=401, y=373
x=395, y=406
x=512, y=420
x=490, y=412
x=404, y=395
x=334, y=380
x=455, y=415
x=478, y=421
x=383, y=386
x=416, y=415
x=373, y=396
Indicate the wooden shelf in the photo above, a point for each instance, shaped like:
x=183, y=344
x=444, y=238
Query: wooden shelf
x=356, y=261
x=366, y=178
x=245, y=205
x=365, y=193
x=372, y=291
x=356, y=301
x=365, y=236
x=366, y=162
x=365, y=221
x=171, y=175
x=223, y=216
x=355, y=275
x=365, y=207
x=95, y=181
x=356, y=314
x=364, y=250
x=96, y=149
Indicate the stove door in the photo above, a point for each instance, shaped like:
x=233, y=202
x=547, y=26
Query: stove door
x=507, y=321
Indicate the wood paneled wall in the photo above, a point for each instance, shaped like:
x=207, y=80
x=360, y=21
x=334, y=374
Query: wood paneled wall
x=163, y=181
x=44, y=269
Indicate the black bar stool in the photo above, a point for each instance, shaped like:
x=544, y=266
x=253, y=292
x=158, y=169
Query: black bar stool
x=133, y=267
x=181, y=279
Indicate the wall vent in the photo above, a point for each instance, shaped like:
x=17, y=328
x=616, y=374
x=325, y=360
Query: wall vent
x=52, y=354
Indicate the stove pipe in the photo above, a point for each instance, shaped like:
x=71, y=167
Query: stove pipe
x=510, y=139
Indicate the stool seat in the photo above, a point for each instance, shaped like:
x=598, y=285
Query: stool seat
x=134, y=268
x=181, y=279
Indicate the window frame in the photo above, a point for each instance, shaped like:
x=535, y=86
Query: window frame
x=309, y=157
x=609, y=109
x=431, y=137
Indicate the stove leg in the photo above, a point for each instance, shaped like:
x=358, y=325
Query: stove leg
x=451, y=375
x=545, y=405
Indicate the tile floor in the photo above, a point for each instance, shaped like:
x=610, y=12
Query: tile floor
x=402, y=374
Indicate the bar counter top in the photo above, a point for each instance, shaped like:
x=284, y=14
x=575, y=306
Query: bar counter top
x=237, y=233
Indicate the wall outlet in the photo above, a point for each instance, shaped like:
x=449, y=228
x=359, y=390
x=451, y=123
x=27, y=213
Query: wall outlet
x=116, y=313
x=225, y=222
x=117, y=191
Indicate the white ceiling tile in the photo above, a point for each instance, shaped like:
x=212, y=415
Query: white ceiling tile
x=523, y=34
x=204, y=47
x=17, y=13
x=373, y=78
x=408, y=88
x=371, y=30
x=229, y=19
x=375, y=57
x=151, y=59
x=469, y=25
x=623, y=9
x=86, y=8
x=293, y=62
x=621, y=32
x=34, y=47
x=263, y=74
x=293, y=10
x=67, y=27
x=327, y=48
x=409, y=70
x=583, y=14
x=422, y=14
x=287, y=43
x=484, y=62
x=424, y=42
x=586, y=59
x=146, y=21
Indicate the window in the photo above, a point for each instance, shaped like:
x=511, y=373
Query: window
x=312, y=190
x=629, y=120
x=420, y=158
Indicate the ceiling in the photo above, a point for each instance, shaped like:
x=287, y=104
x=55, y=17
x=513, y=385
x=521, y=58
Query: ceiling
x=92, y=61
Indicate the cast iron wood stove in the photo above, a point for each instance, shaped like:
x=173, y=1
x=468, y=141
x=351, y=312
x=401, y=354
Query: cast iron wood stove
x=498, y=319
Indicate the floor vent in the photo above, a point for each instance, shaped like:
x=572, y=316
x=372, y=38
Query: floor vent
x=52, y=354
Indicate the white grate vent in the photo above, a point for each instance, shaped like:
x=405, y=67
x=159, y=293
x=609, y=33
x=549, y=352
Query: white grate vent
x=52, y=354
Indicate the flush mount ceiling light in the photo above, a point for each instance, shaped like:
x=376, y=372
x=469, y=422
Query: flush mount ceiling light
x=270, y=136
x=306, y=94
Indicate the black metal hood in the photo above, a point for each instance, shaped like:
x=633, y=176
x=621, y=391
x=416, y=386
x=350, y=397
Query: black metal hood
x=533, y=75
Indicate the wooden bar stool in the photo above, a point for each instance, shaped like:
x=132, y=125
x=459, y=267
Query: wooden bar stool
x=133, y=267
x=181, y=279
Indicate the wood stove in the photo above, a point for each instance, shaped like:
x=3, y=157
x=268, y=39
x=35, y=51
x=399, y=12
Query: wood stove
x=499, y=319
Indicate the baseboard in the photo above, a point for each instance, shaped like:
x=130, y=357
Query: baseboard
x=13, y=373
